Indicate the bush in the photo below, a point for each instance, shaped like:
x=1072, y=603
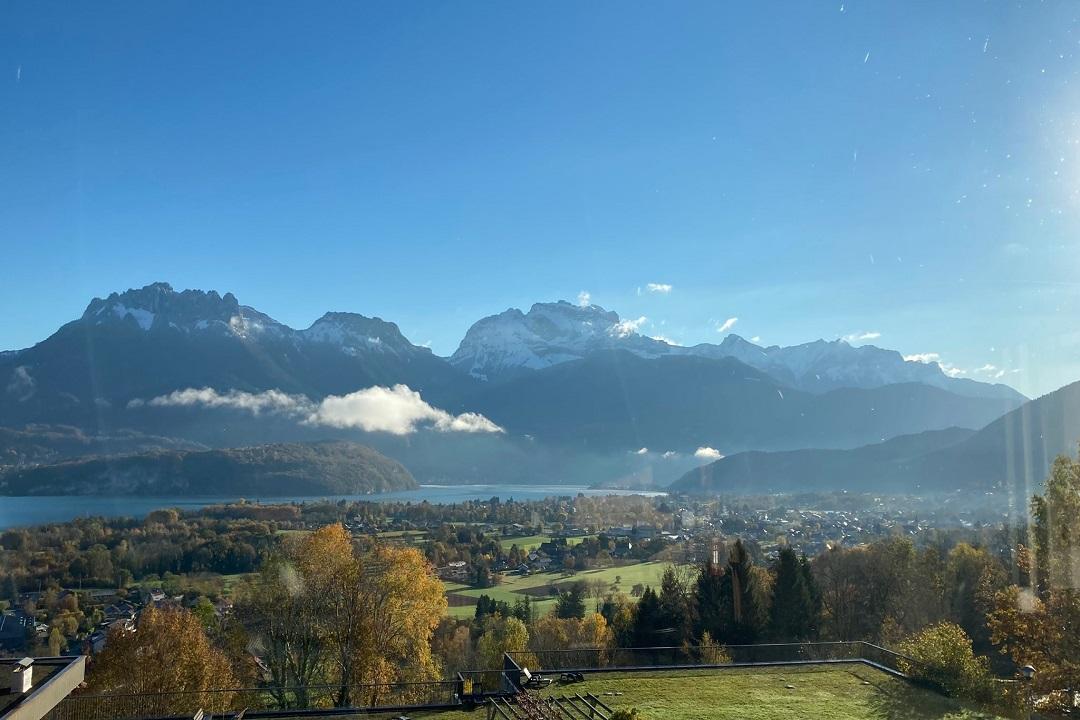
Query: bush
x=631, y=714
x=942, y=656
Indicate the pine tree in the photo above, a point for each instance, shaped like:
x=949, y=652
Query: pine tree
x=792, y=616
x=738, y=588
x=675, y=612
x=710, y=610
x=647, y=619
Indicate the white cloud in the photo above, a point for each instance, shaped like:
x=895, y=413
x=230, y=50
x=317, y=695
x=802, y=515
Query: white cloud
x=755, y=339
x=662, y=288
x=255, y=403
x=642, y=451
x=669, y=454
x=933, y=357
x=397, y=410
x=626, y=328
x=992, y=371
x=584, y=298
x=708, y=453
x=861, y=336
x=727, y=325
x=951, y=370
x=664, y=339
x=22, y=384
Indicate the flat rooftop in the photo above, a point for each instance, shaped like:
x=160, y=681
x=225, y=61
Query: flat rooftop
x=813, y=692
x=53, y=679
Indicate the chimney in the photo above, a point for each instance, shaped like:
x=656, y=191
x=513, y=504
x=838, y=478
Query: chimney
x=22, y=678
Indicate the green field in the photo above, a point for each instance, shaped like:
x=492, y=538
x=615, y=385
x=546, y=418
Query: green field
x=829, y=692
x=513, y=587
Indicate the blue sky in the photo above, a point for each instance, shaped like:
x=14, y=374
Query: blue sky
x=813, y=169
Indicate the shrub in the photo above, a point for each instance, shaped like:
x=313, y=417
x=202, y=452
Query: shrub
x=942, y=656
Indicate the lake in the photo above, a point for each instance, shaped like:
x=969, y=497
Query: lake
x=22, y=511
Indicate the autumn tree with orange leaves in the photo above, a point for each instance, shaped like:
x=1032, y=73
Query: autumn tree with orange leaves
x=351, y=617
x=169, y=660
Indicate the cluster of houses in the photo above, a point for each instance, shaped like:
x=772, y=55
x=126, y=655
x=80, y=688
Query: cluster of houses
x=17, y=627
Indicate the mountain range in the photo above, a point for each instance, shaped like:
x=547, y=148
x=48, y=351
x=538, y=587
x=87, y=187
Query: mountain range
x=561, y=392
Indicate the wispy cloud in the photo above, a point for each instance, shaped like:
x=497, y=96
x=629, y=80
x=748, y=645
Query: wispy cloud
x=669, y=454
x=991, y=371
x=397, y=410
x=951, y=370
x=642, y=451
x=661, y=288
x=727, y=325
x=927, y=357
x=664, y=339
x=861, y=336
x=22, y=384
x=755, y=339
x=947, y=368
x=626, y=328
x=584, y=298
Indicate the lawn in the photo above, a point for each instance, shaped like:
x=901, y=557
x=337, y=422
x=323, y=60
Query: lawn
x=513, y=587
x=829, y=692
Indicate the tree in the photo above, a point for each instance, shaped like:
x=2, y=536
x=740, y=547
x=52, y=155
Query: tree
x=792, y=616
x=740, y=592
x=942, y=654
x=284, y=626
x=169, y=659
x=502, y=635
x=1036, y=625
x=571, y=602
x=1057, y=528
x=676, y=616
x=710, y=611
x=376, y=611
x=56, y=641
x=10, y=590
x=647, y=619
x=355, y=617
x=972, y=577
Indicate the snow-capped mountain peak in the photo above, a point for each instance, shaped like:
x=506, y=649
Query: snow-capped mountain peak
x=549, y=334
x=356, y=334
x=157, y=307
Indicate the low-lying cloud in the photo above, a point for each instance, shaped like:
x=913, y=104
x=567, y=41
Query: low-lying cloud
x=708, y=453
x=927, y=357
x=22, y=384
x=626, y=328
x=398, y=410
x=862, y=336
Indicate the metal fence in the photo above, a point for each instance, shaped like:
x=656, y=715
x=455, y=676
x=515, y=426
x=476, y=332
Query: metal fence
x=586, y=659
x=138, y=706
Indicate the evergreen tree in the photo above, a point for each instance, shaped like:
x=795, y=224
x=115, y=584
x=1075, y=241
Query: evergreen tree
x=709, y=601
x=571, y=603
x=791, y=617
x=675, y=621
x=647, y=619
x=743, y=625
